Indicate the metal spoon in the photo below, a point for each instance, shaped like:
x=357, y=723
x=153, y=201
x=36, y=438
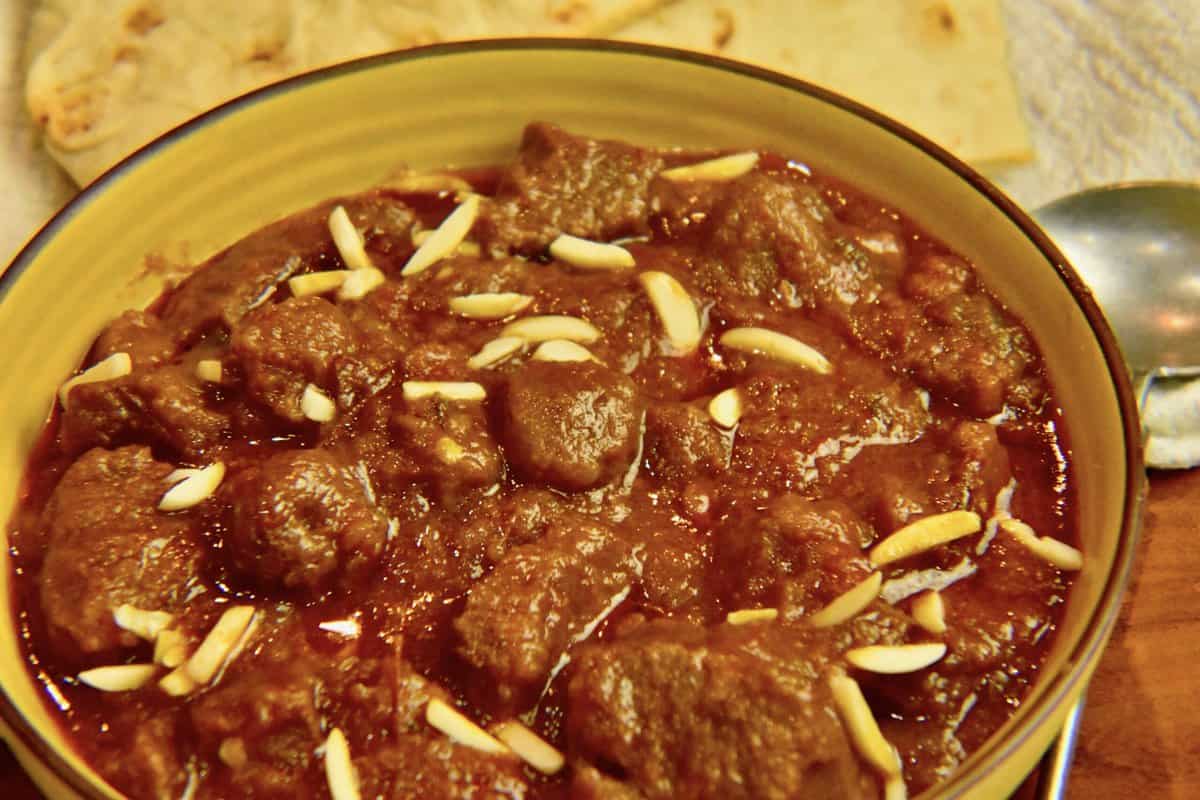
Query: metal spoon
x=1137, y=246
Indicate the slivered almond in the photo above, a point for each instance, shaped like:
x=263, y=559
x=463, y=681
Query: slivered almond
x=448, y=450
x=316, y=405
x=1059, y=554
x=675, y=310
x=209, y=370
x=465, y=247
x=727, y=407
x=118, y=365
x=360, y=282
x=779, y=346
x=533, y=749
x=118, y=678
x=170, y=649
x=177, y=682
x=724, y=168
x=490, y=305
x=428, y=183
x=445, y=238
x=339, y=768
x=317, y=282
x=896, y=659
x=748, y=615
x=586, y=254
x=930, y=612
x=348, y=240
x=563, y=351
x=462, y=730
x=925, y=534
x=218, y=645
x=451, y=390
x=140, y=622
x=860, y=723
x=849, y=604
x=495, y=351
x=552, y=326
x=192, y=486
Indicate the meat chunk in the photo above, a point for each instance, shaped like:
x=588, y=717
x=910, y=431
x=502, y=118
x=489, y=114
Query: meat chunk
x=284, y=347
x=682, y=443
x=147, y=764
x=439, y=769
x=574, y=426
x=562, y=183
x=108, y=544
x=301, y=518
x=167, y=407
x=676, y=712
x=796, y=554
x=539, y=600
x=139, y=334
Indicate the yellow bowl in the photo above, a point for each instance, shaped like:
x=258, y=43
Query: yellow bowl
x=273, y=152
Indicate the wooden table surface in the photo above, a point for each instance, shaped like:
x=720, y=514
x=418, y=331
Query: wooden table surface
x=1141, y=727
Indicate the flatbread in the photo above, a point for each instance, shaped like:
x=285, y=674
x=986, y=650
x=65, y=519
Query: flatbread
x=940, y=66
x=107, y=76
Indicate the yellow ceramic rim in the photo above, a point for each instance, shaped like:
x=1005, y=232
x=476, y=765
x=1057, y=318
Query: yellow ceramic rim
x=1099, y=626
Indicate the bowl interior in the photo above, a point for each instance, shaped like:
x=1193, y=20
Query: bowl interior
x=254, y=160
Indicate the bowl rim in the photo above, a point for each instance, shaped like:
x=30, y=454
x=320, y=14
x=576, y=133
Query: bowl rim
x=1099, y=624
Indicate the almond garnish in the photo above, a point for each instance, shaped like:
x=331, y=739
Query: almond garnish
x=219, y=644
x=451, y=390
x=118, y=678
x=763, y=342
x=118, y=365
x=316, y=405
x=586, y=254
x=428, y=183
x=465, y=247
x=192, y=486
x=748, y=615
x=552, y=326
x=462, y=730
x=360, y=282
x=445, y=238
x=533, y=749
x=849, y=604
x=864, y=730
x=347, y=239
x=726, y=408
x=177, y=683
x=170, y=649
x=141, y=623
x=1059, y=554
x=339, y=768
x=724, y=168
x=496, y=351
x=930, y=612
x=925, y=534
x=675, y=310
x=490, y=305
x=317, y=282
x=563, y=351
x=896, y=659
x=209, y=370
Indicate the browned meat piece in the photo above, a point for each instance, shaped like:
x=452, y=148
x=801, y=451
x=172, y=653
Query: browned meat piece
x=520, y=619
x=574, y=426
x=301, y=518
x=737, y=713
x=166, y=407
x=436, y=768
x=139, y=334
x=227, y=286
x=568, y=184
x=589, y=783
x=797, y=554
x=284, y=347
x=147, y=764
x=682, y=442
x=108, y=544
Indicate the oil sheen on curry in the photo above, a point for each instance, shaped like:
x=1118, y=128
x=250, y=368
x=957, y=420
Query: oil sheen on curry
x=606, y=473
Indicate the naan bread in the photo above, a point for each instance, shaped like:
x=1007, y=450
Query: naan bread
x=107, y=76
x=940, y=66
